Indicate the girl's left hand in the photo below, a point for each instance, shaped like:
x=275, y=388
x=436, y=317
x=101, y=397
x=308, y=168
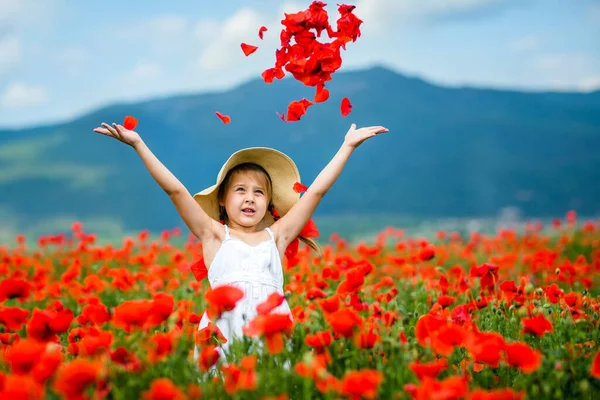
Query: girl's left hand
x=355, y=137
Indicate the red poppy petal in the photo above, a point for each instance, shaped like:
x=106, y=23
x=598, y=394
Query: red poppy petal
x=346, y=107
x=225, y=118
x=310, y=230
x=300, y=188
x=281, y=116
x=322, y=94
x=296, y=109
x=595, y=370
x=292, y=248
x=199, y=270
x=130, y=122
x=248, y=49
x=261, y=30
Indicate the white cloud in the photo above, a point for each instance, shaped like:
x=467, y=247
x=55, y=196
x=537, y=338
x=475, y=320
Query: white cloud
x=170, y=25
x=224, y=46
x=524, y=43
x=205, y=29
x=221, y=40
x=15, y=13
x=165, y=34
x=10, y=10
x=144, y=71
x=22, y=95
x=164, y=26
x=561, y=61
x=386, y=12
x=10, y=52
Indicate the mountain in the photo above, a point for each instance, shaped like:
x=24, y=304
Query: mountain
x=450, y=152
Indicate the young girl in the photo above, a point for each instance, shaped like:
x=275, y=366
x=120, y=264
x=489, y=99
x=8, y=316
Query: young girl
x=248, y=218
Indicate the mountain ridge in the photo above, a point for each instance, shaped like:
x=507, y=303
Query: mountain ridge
x=450, y=151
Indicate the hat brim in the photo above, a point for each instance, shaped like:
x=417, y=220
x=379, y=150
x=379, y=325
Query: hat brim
x=281, y=169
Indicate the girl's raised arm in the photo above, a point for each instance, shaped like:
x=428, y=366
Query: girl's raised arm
x=199, y=223
x=289, y=226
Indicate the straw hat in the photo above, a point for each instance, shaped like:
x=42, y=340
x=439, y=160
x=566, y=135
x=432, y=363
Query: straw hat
x=281, y=169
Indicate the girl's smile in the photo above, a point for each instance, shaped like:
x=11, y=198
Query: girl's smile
x=246, y=200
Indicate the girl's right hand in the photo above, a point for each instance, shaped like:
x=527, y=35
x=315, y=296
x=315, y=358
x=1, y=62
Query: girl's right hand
x=120, y=133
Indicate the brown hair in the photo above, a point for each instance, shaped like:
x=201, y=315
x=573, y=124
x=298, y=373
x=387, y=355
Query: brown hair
x=251, y=167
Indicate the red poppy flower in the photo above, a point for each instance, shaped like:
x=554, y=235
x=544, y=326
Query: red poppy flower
x=452, y=387
x=130, y=123
x=132, y=313
x=14, y=288
x=361, y=384
x=430, y=369
x=204, y=336
x=488, y=275
x=272, y=327
x=274, y=300
x=427, y=253
x=344, y=322
x=209, y=356
x=163, y=388
x=226, y=119
x=128, y=360
x=486, y=347
x=345, y=107
x=222, y=299
x=161, y=309
x=248, y=49
x=24, y=355
x=44, y=325
x=366, y=339
x=521, y=355
x=21, y=387
x=319, y=340
x=496, y=394
x=73, y=379
x=13, y=318
x=97, y=314
x=537, y=325
x=261, y=31
x=355, y=278
x=595, y=370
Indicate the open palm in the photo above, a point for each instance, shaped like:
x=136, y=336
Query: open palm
x=120, y=133
x=355, y=137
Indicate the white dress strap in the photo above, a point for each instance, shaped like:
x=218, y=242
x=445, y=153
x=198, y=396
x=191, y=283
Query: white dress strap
x=270, y=233
x=227, y=235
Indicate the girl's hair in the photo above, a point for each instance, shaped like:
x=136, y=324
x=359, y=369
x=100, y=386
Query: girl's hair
x=260, y=171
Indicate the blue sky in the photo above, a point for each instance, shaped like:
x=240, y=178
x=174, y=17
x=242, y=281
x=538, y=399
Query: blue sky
x=61, y=58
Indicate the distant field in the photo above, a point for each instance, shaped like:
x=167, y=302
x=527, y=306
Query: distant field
x=352, y=227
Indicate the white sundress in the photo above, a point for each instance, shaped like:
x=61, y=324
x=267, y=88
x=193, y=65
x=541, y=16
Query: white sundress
x=256, y=270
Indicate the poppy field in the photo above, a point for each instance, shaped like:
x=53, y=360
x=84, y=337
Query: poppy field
x=505, y=316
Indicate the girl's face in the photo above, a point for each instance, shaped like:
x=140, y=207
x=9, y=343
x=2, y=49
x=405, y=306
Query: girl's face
x=246, y=199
